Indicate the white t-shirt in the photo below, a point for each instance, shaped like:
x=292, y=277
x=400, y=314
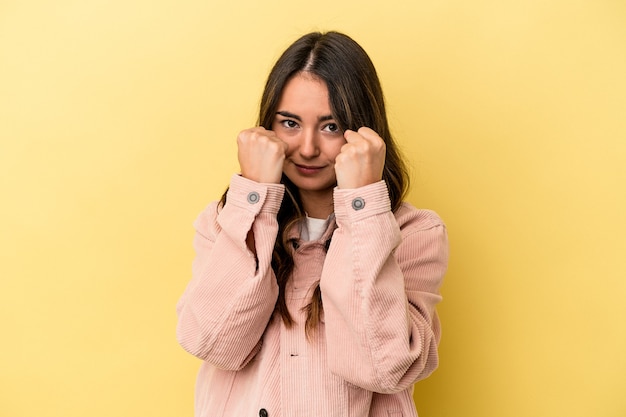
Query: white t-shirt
x=314, y=228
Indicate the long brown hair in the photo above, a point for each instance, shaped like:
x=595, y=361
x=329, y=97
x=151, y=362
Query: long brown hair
x=356, y=100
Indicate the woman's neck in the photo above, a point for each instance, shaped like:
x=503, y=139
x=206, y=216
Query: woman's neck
x=318, y=205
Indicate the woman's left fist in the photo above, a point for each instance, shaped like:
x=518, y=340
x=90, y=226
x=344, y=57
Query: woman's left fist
x=361, y=160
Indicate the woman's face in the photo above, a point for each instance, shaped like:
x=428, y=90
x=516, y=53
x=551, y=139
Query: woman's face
x=304, y=121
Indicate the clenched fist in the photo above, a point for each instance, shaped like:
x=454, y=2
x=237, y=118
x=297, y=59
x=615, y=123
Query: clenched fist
x=361, y=160
x=261, y=155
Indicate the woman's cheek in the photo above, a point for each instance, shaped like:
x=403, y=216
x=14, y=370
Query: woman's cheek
x=337, y=150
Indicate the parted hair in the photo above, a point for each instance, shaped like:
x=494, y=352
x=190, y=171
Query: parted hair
x=356, y=100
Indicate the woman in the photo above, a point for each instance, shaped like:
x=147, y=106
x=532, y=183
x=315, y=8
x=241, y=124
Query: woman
x=314, y=286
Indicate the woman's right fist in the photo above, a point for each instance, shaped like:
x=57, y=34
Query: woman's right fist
x=261, y=155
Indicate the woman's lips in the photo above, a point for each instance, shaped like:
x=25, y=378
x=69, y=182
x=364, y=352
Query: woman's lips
x=308, y=169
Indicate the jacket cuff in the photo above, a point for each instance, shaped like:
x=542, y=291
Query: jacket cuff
x=254, y=196
x=359, y=203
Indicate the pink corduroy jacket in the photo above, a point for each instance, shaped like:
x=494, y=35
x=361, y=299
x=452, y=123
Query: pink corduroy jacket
x=379, y=279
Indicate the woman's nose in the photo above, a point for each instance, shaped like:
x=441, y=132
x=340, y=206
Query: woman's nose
x=309, y=144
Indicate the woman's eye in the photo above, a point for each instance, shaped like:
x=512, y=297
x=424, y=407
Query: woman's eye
x=289, y=124
x=331, y=127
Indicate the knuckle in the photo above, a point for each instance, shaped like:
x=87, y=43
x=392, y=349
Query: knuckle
x=242, y=136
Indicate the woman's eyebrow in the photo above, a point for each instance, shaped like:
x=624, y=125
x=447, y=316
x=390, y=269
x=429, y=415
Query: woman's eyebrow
x=289, y=115
x=298, y=118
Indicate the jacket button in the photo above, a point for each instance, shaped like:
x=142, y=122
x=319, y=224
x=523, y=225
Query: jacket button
x=263, y=412
x=253, y=197
x=358, y=203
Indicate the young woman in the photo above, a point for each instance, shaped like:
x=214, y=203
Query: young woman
x=314, y=286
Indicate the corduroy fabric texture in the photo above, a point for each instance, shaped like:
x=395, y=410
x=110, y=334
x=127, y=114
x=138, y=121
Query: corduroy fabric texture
x=380, y=281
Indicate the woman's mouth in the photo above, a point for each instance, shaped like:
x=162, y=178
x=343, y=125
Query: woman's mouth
x=308, y=169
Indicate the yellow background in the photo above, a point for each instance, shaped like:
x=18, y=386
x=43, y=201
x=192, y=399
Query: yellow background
x=117, y=125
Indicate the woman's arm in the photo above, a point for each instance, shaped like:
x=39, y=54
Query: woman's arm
x=230, y=299
x=380, y=285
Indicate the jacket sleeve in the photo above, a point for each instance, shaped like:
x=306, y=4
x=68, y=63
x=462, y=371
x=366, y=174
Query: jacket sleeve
x=380, y=285
x=227, y=305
